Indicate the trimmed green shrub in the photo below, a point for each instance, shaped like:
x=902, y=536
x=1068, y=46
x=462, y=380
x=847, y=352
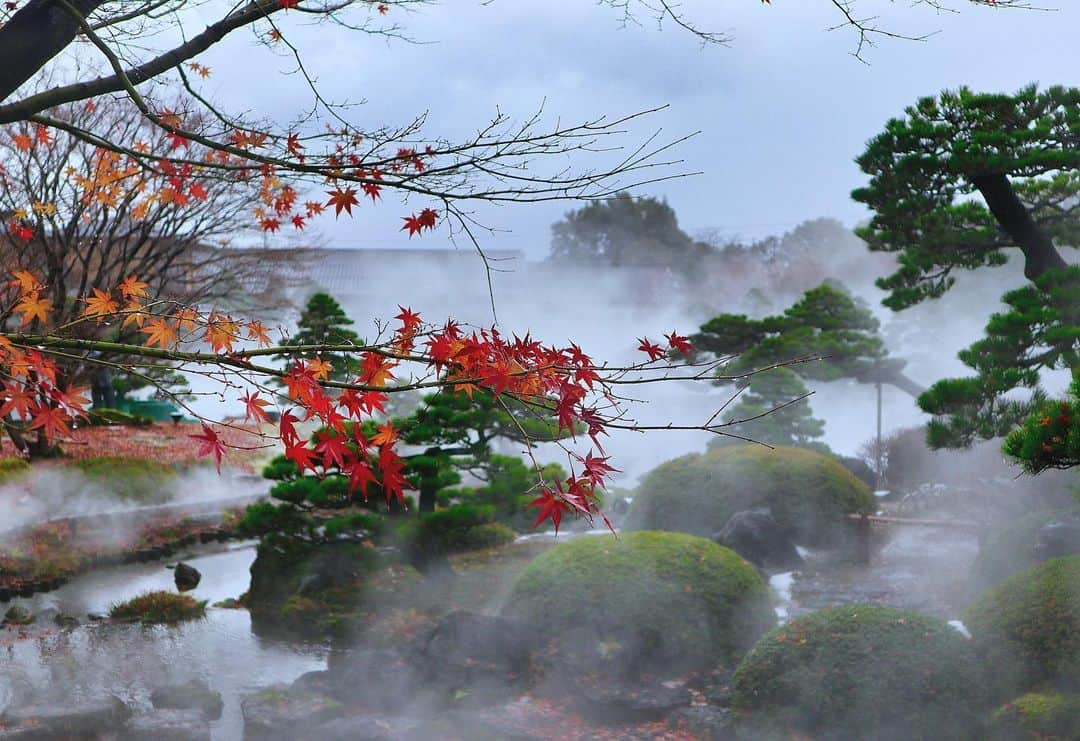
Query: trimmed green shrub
x=463, y=527
x=1008, y=548
x=1037, y=715
x=808, y=492
x=12, y=468
x=696, y=602
x=1027, y=629
x=860, y=672
x=116, y=417
x=158, y=607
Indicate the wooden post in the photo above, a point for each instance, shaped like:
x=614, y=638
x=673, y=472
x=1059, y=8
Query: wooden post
x=862, y=540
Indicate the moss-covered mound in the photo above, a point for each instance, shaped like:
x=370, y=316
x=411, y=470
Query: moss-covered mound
x=1037, y=715
x=808, y=492
x=689, y=600
x=140, y=480
x=158, y=607
x=12, y=468
x=1010, y=548
x=1027, y=629
x=860, y=671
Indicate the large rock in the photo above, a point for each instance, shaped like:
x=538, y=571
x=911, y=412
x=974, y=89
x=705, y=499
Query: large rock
x=645, y=601
x=193, y=695
x=367, y=728
x=69, y=720
x=167, y=725
x=809, y=494
x=302, y=589
x=380, y=681
x=756, y=536
x=861, y=672
x=186, y=577
x=472, y=659
x=279, y=714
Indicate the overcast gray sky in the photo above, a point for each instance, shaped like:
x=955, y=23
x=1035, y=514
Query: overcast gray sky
x=782, y=110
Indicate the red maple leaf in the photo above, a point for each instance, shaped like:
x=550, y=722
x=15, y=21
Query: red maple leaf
x=595, y=470
x=551, y=507
x=342, y=200
x=52, y=421
x=359, y=474
x=427, y=218
x=679, y=343
x=253, y=407
x=210, y=443
x=287, y=427
x=332, y=447
x=412, y=224
x=647, y=346
x=299, y=453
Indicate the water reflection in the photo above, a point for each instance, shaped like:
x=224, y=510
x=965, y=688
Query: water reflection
x=131, y=660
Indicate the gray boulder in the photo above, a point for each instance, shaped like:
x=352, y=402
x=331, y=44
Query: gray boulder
x=192, y=695
x=756, y=536
x=277, y=713
x=186, y=577
x=167, y=725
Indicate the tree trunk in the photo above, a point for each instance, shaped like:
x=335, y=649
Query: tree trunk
x=33, y=36
x=428, y=488
x=1040, y=254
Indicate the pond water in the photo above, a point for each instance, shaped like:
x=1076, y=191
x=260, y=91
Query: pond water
x=131, y=660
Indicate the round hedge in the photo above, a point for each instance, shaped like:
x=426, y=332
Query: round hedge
x=1038, y=715
x=808, y=492
x=860, y=671
x=1009, y=548
x=697, y=602
x=1027, y=629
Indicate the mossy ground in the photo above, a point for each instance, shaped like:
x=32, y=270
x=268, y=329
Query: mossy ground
x=809, y=493
x=695, y=602
x=1028, y=628
x=860, y=672
x=1037, y=715
x=158, y=607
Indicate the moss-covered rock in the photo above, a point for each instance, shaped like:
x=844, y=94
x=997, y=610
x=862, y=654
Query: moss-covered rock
x=808, y=493
x=1037, y=715
x=158, y=607
x=860, y=671
x=1010, y=548
x=689, y=600
x=306, y=589
x=1027, y=629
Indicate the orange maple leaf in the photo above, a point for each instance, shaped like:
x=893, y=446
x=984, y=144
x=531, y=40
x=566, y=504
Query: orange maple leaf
x=386, y=435
x=319, y=368
x=26, y=281
x=22, y=142
x=159, y=332
x=100, y=305
x=132, y=287
x=185, y=319
x=257, y=331
x=32, y=306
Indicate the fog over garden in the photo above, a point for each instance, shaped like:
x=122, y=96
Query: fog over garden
x=524, y=370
